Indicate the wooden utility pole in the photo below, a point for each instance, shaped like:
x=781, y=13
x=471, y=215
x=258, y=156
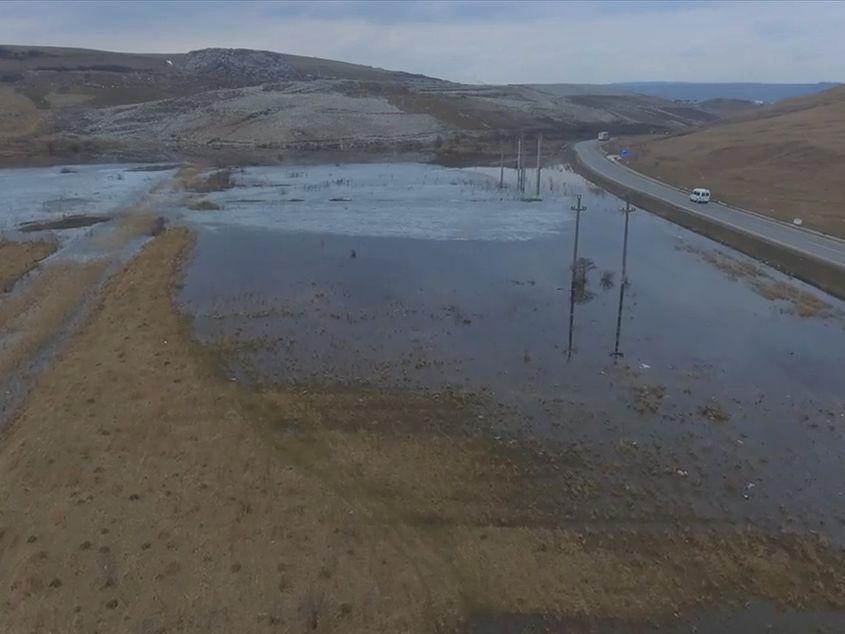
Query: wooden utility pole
x=627, y=210
x=524, y=165
x=577, y=208
x=519, y=164
x=539, y=151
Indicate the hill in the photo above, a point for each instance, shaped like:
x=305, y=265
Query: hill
x=785, y=160
x=728, y=108
x=746, y=91
x=239, y=105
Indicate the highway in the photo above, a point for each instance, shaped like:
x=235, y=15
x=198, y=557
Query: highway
x=805, y=242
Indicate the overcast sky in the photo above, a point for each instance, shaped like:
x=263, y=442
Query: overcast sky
x=482, y=42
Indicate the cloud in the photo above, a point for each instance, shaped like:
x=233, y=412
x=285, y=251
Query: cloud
x=475, y=41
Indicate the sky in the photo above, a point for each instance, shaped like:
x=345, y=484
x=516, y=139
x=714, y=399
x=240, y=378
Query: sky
x=478, y=42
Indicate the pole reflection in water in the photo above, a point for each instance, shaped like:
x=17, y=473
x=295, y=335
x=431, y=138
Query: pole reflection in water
x=627, y=210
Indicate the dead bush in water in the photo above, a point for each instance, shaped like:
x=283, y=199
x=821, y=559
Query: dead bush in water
x=579, y=280
x=714, y=412
x=158, y=226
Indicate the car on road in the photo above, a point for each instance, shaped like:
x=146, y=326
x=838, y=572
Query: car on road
x=700, y=195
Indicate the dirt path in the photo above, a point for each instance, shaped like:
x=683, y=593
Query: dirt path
x=49, y=304
x=143, y=491
x=30, y=318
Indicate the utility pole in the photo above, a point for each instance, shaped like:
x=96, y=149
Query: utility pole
x=524, y=165
x=519, y=164
x=577, y=208
x=627, y=210
x=539, y=151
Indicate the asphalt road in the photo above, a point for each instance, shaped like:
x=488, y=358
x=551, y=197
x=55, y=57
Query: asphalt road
x=785, y=235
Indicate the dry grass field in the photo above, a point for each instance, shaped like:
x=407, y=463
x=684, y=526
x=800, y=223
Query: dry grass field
x=145, y=491
x=18, y=115
x=786, y=161
x=18, y=258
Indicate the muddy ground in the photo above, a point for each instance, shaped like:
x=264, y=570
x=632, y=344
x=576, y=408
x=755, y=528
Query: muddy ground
x=144, y=490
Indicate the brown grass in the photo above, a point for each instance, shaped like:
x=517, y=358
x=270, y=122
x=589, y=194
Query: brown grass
x=135, y=222
x=19, y=258
x=29, y=319
x=19, y=116
x=143, y=491
x=196, y=179
x=733, y=267
x=802, y=303
x=787, y=162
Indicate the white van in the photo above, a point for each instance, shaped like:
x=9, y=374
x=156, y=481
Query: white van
x=700, y=195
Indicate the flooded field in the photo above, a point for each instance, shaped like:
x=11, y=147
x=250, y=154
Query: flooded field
x=414, y=360
x=724, y=403
x=49, y=194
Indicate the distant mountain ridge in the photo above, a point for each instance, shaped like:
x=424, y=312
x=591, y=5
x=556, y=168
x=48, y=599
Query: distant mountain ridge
x=243, y=105
x=748, y=91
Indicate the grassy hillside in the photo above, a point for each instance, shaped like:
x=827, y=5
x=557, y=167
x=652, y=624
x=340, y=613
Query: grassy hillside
x=239, y=105
x=786, y=160
x=20, y=116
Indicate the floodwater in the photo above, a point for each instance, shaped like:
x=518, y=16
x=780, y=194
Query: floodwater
x=698, y=399
x=420, y=277
x=77, y=206
x=755, y=617
x=46, y=194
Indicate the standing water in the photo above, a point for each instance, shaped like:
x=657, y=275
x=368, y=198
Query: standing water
x=726, y=384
